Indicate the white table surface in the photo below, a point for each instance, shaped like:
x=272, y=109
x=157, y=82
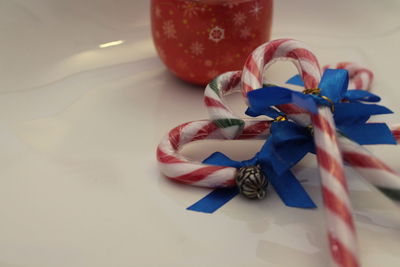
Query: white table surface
x=79, y=126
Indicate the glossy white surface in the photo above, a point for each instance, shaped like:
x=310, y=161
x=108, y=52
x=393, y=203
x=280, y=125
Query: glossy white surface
x=79, y=126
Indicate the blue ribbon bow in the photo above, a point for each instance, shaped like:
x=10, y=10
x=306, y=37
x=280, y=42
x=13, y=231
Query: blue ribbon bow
x=289, y=142
x=350, y=117
x=275, y=167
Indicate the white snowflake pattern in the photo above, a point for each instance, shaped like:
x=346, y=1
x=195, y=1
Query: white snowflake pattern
x=245, y=32
x=217, y=34
x=158, y=12
x=256, y=9
x=239, y=18
x=197, y=48
x=190, y=9
x=169, y=29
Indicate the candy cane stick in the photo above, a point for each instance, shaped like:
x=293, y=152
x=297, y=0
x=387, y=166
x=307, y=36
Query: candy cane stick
x=178, y=168
x=341, y=230
x=361, y=159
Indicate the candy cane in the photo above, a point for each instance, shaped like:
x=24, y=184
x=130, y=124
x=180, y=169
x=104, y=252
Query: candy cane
x=178, y=168
x=350, y=150
x=361, y=159
x=360, y=78
x=366, y=164
x=341, y=230
x=225, y=84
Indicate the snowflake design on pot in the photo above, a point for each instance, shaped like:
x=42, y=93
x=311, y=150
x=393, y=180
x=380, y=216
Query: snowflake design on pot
x=256, y=9
x=239, y=18
x=197, y=48
x=245, y=32
x=169, y=29
x=190, y=9
x=217, y=34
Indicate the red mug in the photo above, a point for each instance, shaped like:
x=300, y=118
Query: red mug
x=200, y=39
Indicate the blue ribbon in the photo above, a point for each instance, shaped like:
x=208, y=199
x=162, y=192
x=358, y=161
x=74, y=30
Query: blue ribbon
x=350, y=117
x=289, y=142
x=286, y=146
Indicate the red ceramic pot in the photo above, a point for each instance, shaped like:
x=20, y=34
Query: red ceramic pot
x=199, y=39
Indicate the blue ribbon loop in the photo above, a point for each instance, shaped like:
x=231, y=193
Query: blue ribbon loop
x=289, y=142
x=350, y=95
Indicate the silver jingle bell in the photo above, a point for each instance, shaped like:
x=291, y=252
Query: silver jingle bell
x=252, y=182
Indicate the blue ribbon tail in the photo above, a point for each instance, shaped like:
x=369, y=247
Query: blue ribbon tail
x=369, y=134
x=356, y=113
x=220, y=196
x=296, y=80
x=361, y=95
x=215, y=200
x=290, y=190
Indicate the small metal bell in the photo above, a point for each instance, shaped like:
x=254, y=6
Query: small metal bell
x=252, y=182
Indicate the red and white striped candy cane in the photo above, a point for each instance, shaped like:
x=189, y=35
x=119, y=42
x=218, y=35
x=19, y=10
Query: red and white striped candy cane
x=178, y=168
x=360, y=78
x=381, y=175
x=341, y=230
x=366, y=164
x=223, y=85
x=353, y=154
